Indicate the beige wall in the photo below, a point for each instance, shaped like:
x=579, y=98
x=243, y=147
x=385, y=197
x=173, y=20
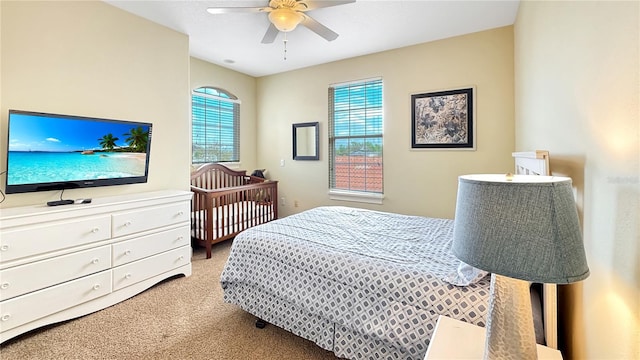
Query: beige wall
x=89, y=58
x=577, y=93
x=415, y=182
x=244, y=87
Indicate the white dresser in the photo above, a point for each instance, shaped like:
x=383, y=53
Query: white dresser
x=58, y=263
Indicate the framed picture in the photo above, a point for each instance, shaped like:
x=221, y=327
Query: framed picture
x=442, y=119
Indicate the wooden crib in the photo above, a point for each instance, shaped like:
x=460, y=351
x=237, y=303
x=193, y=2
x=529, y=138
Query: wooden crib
x=226, y=202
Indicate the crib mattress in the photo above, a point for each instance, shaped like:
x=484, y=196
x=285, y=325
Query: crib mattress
x=231, y=217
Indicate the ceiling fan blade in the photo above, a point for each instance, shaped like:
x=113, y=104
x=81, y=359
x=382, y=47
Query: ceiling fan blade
x=319, y=29
x=270, y=35
x=317, y=4
x=237, y=9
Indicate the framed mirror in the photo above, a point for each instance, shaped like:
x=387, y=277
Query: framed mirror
x=305, y=141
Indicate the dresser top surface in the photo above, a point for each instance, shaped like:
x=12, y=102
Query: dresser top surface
x=100, y=204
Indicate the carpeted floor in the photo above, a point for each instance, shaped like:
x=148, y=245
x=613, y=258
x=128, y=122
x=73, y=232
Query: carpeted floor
x=182, y=318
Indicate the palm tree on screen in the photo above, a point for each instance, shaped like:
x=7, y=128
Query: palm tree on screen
x=108, y=141
x=137, y=139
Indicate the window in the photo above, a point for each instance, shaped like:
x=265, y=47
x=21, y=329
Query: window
x=215, y=126
x=355, y=137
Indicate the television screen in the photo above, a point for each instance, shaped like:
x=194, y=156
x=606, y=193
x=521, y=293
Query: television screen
x=54, y=152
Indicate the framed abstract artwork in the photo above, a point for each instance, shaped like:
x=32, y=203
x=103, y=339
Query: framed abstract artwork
x=443, y=120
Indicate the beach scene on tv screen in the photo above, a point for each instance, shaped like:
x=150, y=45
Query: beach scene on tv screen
x=52, y=149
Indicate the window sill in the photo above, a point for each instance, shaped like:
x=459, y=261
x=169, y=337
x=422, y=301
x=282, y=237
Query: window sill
x=231, y=165
x=354, y=196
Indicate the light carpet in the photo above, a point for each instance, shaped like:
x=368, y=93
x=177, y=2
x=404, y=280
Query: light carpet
x=180, y=318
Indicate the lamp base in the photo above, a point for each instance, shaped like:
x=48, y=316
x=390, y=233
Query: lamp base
x=510, y=333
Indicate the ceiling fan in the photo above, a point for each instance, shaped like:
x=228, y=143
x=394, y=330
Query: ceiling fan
x=285, y=15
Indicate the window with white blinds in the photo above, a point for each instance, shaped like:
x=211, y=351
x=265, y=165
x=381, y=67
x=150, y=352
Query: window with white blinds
x=215, y=126
x=355, y=136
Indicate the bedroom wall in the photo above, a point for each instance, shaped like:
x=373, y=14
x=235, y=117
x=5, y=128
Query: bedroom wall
x=92, y=59
x=244, y=87
x=577, y=95
x=415, y=182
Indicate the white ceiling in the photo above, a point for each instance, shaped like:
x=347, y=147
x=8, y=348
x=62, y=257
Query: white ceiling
x=233, y=40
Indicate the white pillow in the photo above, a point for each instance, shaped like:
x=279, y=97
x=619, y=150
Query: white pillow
x=465, y=275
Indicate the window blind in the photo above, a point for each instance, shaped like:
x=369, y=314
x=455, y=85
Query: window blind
x=215, y=126
x=356, y=136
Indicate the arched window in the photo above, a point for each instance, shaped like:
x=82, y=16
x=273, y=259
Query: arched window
x=215, y=126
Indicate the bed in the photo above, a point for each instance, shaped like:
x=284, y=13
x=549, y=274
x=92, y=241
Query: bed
x=360, y=283
x=226, y=202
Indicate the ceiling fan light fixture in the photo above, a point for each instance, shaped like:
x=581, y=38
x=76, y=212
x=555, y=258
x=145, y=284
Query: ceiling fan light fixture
x=285, y=19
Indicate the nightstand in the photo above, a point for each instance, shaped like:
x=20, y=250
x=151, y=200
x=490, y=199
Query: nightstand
x=455, y=339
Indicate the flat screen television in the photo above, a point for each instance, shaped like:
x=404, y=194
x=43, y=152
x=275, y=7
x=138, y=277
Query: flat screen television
x=56, y=152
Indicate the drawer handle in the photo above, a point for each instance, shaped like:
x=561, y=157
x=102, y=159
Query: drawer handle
x=4, y=247
x=5, y=317
x=127, y=276
x=4, y=286
x=127, y=252
x=96, y=287
x=180, y=238
x=95, y=230
x=180, y=213
x=127, y=223
x=95, y=261
x=181, y=257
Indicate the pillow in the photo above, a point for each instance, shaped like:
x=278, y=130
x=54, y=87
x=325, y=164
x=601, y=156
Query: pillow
x=465, y=275
x=259, y=173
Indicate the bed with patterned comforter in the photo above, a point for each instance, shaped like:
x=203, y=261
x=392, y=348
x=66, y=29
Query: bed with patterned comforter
x=360, y=283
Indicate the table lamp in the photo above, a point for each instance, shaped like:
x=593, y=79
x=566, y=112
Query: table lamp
x=521, y=229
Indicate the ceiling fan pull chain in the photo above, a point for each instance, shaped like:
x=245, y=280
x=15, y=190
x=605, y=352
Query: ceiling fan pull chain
x=285, y=46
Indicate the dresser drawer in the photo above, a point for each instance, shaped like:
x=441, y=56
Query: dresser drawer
x=32, y=240
x=130, y=222
x=22, y=279
x=140, y=270
x=26, y=308
x=138, y=248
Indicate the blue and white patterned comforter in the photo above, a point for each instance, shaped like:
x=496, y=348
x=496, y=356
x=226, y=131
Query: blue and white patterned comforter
x=384, y=276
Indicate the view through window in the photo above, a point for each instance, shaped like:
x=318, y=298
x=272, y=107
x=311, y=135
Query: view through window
x=355, y=136
x=215, y=117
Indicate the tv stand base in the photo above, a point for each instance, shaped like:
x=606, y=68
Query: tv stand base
x=60, y=202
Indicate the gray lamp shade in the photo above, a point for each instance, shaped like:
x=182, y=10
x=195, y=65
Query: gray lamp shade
x=525, y=228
